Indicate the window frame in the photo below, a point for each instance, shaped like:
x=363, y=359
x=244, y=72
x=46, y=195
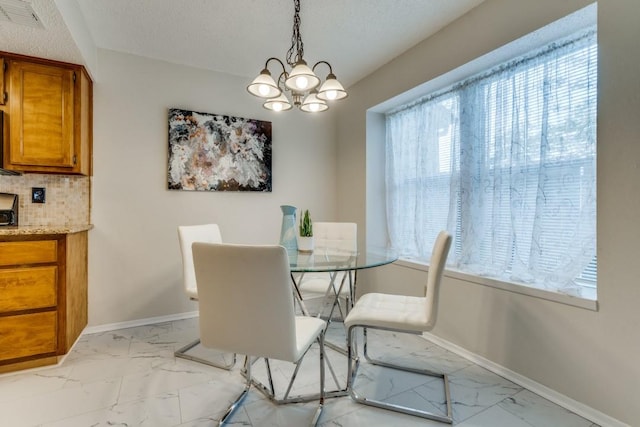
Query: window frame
x=375, y=214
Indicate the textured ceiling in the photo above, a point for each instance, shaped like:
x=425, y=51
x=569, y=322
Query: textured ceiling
x=237, y=36
x=53, y=42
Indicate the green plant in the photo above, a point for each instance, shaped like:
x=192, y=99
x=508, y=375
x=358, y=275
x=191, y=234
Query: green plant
x=306, y=226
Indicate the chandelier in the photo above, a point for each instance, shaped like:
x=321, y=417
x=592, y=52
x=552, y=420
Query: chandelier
x=301, y=82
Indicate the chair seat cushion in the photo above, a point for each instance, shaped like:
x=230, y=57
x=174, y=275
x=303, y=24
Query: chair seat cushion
x=307, y=330
x=318, y=283
x=389, y=311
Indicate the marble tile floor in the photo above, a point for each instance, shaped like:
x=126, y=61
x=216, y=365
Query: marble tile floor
x=129, y=377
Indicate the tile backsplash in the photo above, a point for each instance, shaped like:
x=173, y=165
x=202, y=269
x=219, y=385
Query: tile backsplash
x=67, y=200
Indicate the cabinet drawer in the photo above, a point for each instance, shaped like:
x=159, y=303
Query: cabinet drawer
x=29, y=252
x=27, y=335
x=28, y=288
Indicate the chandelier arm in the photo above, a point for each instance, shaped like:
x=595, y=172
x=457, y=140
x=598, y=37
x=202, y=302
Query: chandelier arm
x=322, y=62
x=281, y=78
x=266, y=64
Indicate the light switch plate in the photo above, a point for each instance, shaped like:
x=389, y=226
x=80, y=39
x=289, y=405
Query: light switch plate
x=38, y=195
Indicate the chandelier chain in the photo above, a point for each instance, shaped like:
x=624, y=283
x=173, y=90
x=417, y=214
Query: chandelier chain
x=297, y=47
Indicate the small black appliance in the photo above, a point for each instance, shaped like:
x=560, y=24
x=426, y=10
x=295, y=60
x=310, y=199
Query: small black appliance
x=8, y=209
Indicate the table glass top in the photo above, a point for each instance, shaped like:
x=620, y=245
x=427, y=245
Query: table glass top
x=322, y=259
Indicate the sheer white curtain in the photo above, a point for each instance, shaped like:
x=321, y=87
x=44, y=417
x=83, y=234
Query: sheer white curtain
x=506, y=161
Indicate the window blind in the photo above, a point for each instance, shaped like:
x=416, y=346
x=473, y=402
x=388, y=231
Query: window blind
x=505, y=161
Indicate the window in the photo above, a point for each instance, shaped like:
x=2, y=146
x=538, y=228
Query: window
x=506, y=161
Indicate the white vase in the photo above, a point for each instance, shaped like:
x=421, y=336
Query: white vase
x=305, y=244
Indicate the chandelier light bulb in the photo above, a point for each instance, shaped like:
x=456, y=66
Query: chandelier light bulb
x=331, y=95
x=277, y=106
x=302, y=82
x=264, y=90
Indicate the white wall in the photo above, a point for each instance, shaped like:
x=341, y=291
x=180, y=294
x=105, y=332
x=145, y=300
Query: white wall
x=134, y=258
x=591, y=357
x=134, y=262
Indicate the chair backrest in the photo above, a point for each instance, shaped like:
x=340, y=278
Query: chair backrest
x=246, y=299
x=434, y=276
x=187, y=234
x=339, y=236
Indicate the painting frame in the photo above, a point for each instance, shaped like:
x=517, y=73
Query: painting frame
x=216, y=152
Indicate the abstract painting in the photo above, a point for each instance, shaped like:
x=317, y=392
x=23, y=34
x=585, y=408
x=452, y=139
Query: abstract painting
x=211, y=152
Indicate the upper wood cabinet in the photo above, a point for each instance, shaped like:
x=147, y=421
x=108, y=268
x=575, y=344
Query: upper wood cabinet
x=3, y=93
x=49, y=114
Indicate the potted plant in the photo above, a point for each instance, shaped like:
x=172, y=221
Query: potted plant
x=305, y=239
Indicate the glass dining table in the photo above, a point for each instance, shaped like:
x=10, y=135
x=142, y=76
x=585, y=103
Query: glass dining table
x=332, y=261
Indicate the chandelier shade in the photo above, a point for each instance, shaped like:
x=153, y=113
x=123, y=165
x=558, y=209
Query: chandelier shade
x=264, y=86
x=279, y=103
x=312, y=104
x=300, y=83
x=331, y=89
x=302, y=78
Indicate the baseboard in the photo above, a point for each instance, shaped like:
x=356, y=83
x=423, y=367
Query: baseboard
x=138, y=322
x=574, y=406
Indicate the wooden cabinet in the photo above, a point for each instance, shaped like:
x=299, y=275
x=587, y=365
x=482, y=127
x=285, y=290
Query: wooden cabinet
x=49, y=117
x=27, y=335
x=43, y=298
x=41, y=115
x=3, y=93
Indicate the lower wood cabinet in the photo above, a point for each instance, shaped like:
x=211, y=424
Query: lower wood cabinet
x=27, y=335
x=43, y=298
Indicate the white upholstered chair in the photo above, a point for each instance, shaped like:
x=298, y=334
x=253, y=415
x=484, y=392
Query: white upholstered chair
x=331, y=238
x=399, y=313
x=246, y=307
x=187, y=234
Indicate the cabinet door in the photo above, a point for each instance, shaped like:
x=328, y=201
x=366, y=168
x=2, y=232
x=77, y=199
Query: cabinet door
x=41, y=103
x=2, y=85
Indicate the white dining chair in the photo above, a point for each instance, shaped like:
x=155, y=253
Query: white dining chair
x=187, y=234
x=246, y=307
x=331, y=238
x=399, y=313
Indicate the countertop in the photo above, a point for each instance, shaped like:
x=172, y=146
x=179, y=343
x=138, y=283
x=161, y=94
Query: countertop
x=30, y=230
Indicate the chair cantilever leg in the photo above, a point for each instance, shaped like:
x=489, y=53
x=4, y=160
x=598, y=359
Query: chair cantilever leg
x=318, y=412
x=270, y=393
x=236, y=403
x=182, y=353
x=354, y=363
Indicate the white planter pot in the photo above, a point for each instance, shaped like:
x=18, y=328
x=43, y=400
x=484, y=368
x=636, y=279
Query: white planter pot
x=305, y=244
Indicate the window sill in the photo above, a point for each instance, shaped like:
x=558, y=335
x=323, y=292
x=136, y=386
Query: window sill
x=587, y=302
